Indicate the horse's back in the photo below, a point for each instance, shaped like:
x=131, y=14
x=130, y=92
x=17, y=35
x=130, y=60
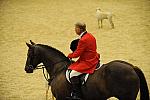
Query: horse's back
x=121, y=78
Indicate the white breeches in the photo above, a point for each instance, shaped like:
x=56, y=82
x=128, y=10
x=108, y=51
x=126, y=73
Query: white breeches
x=74, y=73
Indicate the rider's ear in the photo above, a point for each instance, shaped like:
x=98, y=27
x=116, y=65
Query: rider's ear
x=32, y=42
x=29, y=45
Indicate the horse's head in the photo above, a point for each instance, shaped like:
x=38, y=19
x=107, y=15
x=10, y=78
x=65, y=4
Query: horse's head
x=33, y=57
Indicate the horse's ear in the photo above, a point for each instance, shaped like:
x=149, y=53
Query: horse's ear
x=29, y=45
x=32, y=42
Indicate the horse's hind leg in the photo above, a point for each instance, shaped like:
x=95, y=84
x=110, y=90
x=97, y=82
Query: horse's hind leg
x=111, y=22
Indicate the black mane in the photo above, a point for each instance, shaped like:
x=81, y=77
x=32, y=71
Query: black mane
x=51, y=48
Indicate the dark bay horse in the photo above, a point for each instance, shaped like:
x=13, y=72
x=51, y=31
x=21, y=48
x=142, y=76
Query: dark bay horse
x=116, y=78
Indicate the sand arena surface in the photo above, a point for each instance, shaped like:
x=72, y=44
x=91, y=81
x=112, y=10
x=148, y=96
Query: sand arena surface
x=51, y=22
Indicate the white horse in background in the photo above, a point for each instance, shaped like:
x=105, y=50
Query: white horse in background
x=104, y=15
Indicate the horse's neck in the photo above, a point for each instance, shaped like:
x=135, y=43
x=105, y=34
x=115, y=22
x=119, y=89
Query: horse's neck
x=54, y=64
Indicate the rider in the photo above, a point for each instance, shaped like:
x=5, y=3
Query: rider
x=88, y=58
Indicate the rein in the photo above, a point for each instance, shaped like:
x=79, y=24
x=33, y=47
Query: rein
x=42, y=67
x=53, y=76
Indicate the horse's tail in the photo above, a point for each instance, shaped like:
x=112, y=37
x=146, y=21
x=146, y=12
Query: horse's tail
x=144, y=93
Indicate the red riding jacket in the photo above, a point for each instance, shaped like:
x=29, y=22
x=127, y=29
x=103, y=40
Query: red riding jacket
x=88, y=57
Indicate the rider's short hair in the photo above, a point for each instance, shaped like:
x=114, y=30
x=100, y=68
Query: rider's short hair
x=81, y=25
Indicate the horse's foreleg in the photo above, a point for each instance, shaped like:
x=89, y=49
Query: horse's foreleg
x=101, y=23
x=98, y=23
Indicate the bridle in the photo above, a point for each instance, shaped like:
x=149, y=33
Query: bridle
x=46, y=75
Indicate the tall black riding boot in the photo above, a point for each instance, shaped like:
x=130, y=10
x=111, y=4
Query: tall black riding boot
x=76, y=92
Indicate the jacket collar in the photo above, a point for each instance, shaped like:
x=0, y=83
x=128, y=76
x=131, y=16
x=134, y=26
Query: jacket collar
x=81, y=35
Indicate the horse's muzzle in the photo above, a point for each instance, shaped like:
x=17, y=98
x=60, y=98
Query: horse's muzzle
x=29, y=69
